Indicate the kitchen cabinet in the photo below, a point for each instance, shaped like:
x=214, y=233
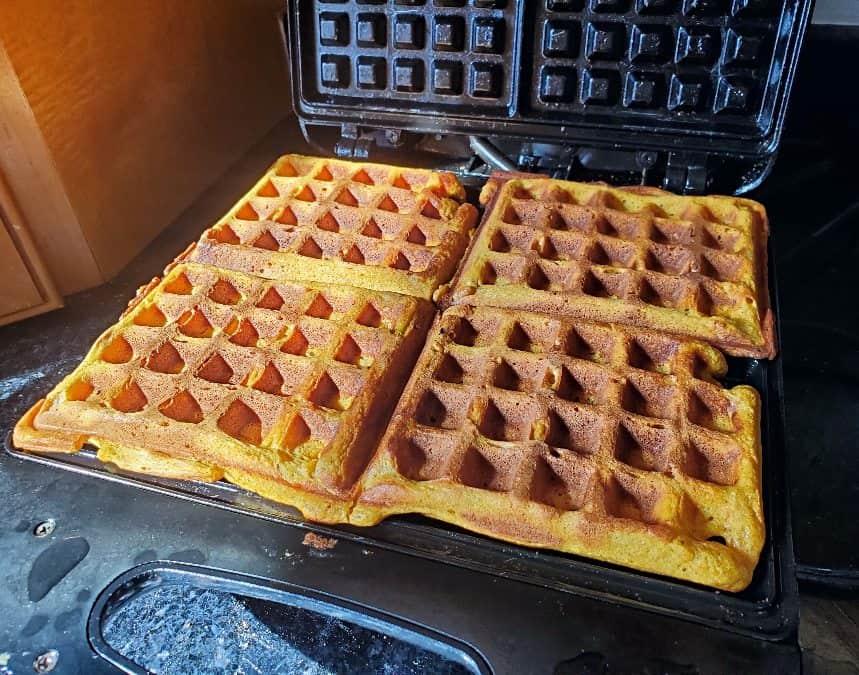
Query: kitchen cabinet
x=27, y=288
x=114, y=117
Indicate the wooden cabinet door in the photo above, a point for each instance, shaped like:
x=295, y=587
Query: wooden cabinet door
x=26, y=287
x=18, y=290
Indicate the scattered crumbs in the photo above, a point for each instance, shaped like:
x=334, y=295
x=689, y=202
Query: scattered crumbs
x=12, y=385
x=319, y=542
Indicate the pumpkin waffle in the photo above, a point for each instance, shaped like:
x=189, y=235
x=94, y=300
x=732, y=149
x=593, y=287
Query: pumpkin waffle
x=280, y=387
x=606, y=441
x=321, y=220
x=693, y=266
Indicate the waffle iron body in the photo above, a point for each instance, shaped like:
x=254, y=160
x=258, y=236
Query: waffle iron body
x=688, y=95
x=692, y=93
x=685, y=94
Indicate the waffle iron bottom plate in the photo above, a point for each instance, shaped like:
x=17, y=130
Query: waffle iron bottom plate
x=767, y=609
x=420, y=568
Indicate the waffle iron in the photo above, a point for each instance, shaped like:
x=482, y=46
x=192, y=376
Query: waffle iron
x=689, y=95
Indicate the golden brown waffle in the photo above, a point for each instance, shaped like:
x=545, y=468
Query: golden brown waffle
x=281, y=387
x=273, y=350
x=692, y=266
x=327, y=221
x=610, y=442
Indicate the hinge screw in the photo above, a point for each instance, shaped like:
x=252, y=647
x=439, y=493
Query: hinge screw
x=646, y=159
x=46, y=662
x=44, y=528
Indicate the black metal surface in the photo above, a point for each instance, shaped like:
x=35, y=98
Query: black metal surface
x=705, y=76
x=517, y=627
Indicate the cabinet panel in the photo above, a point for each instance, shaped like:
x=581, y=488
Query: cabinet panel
x=18, y=290
x=27, y=288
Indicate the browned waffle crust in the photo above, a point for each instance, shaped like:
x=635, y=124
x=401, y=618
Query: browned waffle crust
x=600, y=440
x=692, y=266
x=283, y=387
x=369, y=225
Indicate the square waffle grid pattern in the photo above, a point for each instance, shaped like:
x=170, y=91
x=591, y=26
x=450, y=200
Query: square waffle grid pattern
x=368, y=225
x=640, y=58
x=278, y=386
x=444, y=54
x=682, y=64
x=603, y=441
x=686, y=265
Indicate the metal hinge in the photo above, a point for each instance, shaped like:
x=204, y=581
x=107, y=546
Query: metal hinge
x=353, y=143
x=686, y=173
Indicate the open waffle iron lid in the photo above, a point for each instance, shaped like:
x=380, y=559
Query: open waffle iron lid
x=687, y=94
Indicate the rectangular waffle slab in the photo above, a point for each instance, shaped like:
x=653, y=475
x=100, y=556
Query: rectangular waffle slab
x=609, y=442
x=327, y=221
x=280, y=387
x=693, y=266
